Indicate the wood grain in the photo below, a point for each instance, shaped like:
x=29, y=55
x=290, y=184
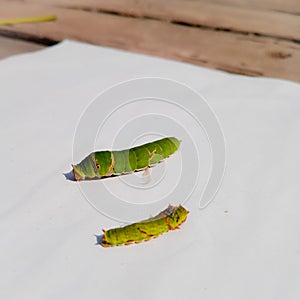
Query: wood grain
x=290, y=6
x=237, y=53
x=206, y=14
x=217, y=36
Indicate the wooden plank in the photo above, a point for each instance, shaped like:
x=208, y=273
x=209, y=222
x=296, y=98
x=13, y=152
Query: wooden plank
x=10, y=47
x=211, y=15
x=238, y=53
x=289, y=6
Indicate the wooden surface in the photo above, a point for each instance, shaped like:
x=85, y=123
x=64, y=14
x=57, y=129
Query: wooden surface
x=10, y=47
x=257, y=38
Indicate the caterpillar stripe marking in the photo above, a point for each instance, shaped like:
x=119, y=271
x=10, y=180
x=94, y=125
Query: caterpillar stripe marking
x=169, y=219
x=107, y=163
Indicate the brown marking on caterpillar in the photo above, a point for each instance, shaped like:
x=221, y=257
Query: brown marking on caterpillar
x=168, y=223
x=94, y=163
x=112, y=164
x=129, y=243
x=152, y=154
x=77, y=176
x=144, y=232
x=150, y=238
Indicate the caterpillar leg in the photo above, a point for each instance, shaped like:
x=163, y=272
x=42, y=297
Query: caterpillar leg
x=146, y=176
x=129, y=243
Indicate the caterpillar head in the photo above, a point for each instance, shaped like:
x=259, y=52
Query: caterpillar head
x=175, y=215
x=181, y=214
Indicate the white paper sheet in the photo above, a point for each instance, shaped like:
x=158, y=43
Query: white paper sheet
x=244, y=245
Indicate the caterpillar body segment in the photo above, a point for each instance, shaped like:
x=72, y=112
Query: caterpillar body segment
x=106, y=163
x=169, y=219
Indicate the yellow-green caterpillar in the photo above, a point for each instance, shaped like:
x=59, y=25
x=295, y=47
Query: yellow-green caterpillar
x=107, y=163
x=169, y=219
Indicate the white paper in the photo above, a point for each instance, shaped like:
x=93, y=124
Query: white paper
x=243, y=245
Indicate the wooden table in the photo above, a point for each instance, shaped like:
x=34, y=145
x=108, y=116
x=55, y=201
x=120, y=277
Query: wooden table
x=256, y=38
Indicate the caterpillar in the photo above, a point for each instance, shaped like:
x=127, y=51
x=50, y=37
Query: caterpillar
x=169, y=219
x=107, y=163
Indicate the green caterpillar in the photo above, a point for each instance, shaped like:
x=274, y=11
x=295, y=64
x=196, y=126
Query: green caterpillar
x=106, y=163
x=168, y=219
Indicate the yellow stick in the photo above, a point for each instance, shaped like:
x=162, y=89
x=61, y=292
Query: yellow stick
x=27, y=20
